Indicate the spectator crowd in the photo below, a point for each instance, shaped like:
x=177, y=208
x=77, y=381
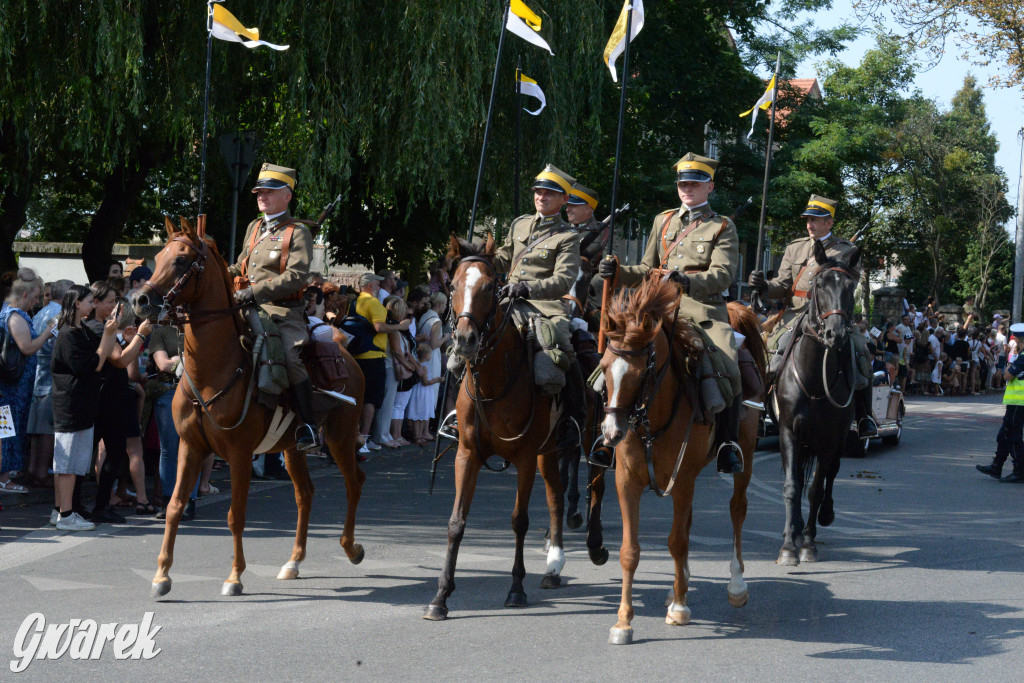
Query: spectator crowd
x=89, y=387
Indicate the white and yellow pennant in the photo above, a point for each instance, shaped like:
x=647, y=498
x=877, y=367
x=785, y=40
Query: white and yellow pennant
x=226, y=27
x=528, y=86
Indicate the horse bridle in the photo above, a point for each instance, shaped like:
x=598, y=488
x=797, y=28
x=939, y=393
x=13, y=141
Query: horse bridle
x=813, y=327
x=820, y=318
x=195, y=269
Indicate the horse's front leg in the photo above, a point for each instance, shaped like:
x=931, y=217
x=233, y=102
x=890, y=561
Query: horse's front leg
x=792, y=489
x=520, y=524
x=189, y=463
x=467, y=467
x=549, y=471
x=298, y=471
x=815, y=494
x=827, y=512
x=679, y=545
x=737, y=588
x=595, y=532
x=241, y=473
x=629, y=487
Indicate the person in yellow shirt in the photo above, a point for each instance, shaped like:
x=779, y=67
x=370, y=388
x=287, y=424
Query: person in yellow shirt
x=372, y=362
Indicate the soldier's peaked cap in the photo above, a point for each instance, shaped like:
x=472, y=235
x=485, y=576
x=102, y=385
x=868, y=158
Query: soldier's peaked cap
x=582, y=195
x=695, y=168
x=275, y=178
x=552, y=178
x=1017, y=329
x=820, y=206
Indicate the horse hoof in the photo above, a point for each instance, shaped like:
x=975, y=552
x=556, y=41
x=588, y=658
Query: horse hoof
x=808, y=554
x=598, y=555
x=739, y=599
x=679, y=616
x=160, y=588
x=231, y=589
x=288, y=572
x=551, y=581
x=516, y=599
x=435, y=613
x=787, y=558
x=574, y=521
x=358, y=557
x=620, y=636
x=826, y=517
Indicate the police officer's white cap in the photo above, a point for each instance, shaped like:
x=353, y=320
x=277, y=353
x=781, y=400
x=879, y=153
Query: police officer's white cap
x=1017, y=329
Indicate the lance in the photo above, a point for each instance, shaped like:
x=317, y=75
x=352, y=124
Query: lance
x=767, y=166
x=490, y=116
x=206, y=101
x=519, y=118
x=606, y=290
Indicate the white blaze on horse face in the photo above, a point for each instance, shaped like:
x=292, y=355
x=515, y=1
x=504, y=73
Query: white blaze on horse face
x=613, y=426
x=473, y=275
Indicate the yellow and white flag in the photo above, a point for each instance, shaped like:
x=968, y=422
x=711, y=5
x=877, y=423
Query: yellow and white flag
x=764, y=103
x=617, y=42
x=226, y=27
x=525, y=23
x=528, y=86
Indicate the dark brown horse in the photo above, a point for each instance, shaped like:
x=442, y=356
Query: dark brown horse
x=648, y=369
x=225, y=418
x=502, y=412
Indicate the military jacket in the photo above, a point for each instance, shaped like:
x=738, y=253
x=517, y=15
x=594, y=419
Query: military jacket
x=708, y=254
x=593, y=239
x=549, y=265
x=272, y=285
x=793, y=283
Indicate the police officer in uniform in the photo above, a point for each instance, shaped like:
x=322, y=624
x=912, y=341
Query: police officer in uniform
x=276, y=255
x=793, y=286
x=541, y=255
x=700, y=251
x=1010, y=439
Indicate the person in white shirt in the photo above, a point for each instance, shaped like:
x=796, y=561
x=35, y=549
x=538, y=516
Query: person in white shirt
x=387, y=285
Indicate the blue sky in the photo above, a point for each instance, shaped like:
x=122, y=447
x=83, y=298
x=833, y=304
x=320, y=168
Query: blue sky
x=1004, y=106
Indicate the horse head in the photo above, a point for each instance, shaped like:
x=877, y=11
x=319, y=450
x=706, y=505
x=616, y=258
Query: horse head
x=832, y=297
x=474, y=293
x=628, y=363
x=175, y=279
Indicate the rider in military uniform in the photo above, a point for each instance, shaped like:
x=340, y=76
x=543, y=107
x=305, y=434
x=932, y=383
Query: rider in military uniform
x=700, y=251
x=276, y=254
x=580, y=207
x=793, y=285
x=541, y=255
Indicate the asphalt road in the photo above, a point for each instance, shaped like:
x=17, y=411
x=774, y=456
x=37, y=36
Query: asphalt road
x=919, y=578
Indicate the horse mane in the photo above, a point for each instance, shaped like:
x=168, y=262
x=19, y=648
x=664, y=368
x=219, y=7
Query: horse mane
x=636, y=316
x=745, y=321
x=229, y=285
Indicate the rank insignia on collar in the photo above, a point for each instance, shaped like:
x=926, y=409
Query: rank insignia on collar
x=700, y=248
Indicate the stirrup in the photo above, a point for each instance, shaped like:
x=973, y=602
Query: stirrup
x=449, y=427
x=306, y=438
x=872, y=427
x=601, y=456
x=734, y=448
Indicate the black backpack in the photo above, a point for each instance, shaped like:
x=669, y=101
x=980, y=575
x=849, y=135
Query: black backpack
x=361, y=331
x=12, y=362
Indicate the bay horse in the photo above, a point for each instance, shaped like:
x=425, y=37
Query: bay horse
x=224, y=417
x=649, y=381
x=502, y=412
x=814, y=398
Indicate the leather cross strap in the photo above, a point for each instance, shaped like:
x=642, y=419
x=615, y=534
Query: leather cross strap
x=533, y=245
x=286, y=240
x=667, y=249
x=802, y=293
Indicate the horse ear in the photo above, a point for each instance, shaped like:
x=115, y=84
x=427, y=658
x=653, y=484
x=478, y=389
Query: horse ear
x=171, y=232
x=489, y=244
x=186, y=227
x=854, y=260
x=819, y=253
x=453, y=248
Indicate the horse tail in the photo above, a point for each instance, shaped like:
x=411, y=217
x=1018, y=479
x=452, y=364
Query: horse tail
x=744, y=320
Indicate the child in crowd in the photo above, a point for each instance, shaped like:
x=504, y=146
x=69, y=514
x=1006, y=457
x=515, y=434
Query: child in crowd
x=936, y=378
x=421, y=401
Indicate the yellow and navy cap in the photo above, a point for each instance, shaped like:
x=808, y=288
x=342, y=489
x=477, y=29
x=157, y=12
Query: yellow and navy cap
x=694, y=168
x=820, y=206
x=579, y=194
x=552, y=178
x=275, y=178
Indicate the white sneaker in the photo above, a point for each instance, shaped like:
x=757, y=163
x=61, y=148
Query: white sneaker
x=372, y=446
x=54, y=517
x=74, y=522
x=363, y=450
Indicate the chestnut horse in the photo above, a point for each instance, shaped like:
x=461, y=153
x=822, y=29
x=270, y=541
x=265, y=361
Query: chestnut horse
x=648, y=369
x=225, y=417
x=502, y=412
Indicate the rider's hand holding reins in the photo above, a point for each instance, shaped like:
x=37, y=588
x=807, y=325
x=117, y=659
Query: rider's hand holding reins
x=245, y=297
x=681, y=279
x=757, y=280
x=515, y=290
x=607, y=267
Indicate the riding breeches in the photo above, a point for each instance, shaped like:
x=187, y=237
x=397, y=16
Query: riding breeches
x=293, y=336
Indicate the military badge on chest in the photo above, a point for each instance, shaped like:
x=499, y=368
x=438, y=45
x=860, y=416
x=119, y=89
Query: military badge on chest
x=701, y=248
x=543, y=253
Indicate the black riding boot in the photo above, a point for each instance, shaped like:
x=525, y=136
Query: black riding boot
x=574, y=402
x=866, y=425
x=306, y=438
x=727, y=428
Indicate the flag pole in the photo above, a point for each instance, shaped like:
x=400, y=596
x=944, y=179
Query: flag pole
x=206, y=100
x=606, y=292
x=519, y=118
x=487, y=127
x=767, y=167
